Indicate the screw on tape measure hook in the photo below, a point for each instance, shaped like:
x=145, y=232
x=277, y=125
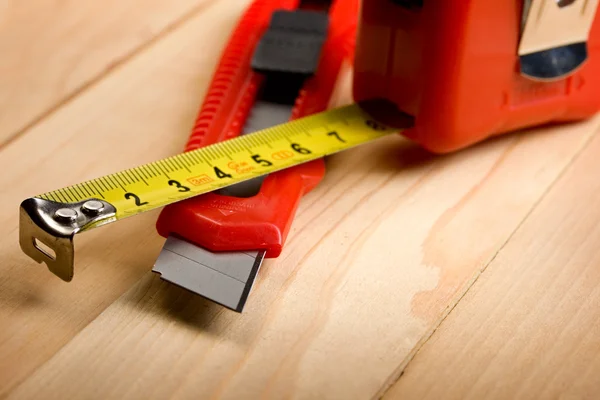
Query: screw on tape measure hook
x=48, y=227
x=49, y=221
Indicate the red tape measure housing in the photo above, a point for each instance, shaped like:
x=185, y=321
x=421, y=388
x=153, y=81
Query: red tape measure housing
x=453, y=65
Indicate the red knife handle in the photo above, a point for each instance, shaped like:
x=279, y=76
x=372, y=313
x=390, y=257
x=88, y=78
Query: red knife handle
x=224, y=223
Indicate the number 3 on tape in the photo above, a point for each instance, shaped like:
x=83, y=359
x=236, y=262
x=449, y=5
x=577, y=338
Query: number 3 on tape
x=49, y=221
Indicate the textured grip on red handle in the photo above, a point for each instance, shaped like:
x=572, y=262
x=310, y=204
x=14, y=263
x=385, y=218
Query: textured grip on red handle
x=223, y=223
x=234, y=85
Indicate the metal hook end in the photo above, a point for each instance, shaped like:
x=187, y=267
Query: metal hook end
x=46, y=230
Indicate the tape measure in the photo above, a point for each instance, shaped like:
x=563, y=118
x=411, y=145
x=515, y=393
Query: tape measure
x=49, y=221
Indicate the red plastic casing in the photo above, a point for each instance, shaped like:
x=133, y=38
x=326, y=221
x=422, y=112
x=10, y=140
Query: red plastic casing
x=261, y=222
x=453, y=65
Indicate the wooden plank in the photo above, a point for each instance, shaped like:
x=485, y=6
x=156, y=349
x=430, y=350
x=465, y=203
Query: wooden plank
x=141, y=112
x=376, y=255
x=530, y=326
x=53, y=50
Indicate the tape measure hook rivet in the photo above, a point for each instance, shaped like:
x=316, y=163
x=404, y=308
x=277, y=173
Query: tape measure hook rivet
x=48, y=227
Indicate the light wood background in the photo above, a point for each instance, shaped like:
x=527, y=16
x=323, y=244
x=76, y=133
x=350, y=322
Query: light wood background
x=471, y=275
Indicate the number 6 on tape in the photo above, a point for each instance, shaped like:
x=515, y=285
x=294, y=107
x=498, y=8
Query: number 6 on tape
x=49, y=221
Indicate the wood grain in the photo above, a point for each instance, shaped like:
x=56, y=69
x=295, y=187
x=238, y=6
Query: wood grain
x=377, y=257
x=373, y=261
x=51, y=50
x=142, y=112
x=530, y=326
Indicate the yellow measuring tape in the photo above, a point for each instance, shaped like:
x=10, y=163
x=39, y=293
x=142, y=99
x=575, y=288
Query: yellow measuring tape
x=54, y=217
x=176, y=178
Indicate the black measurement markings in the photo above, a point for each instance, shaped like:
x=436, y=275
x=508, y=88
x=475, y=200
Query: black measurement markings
x=149, y=170
x=135, y=172
x=91, y=188
x=67, y=196
x=289, y=131
x=162, y=168
x=202, y=154
x=79, y=191
x=155, y=171
x=142, y=172
x=211, y=153
x=268, y=138
x=229, y=148
x=51, y=197
x=72, y=190
x=241, y=149
x=170, y=165
x=102, y=184
x=251, y=140
x=221, y=151
x=123, y=178
x=305, y=129
x=167, y=164
x=258, y=140
x=72, y=193
x=63, y=195
x=225, y=149
x=46, y=196
x=195, y=157
x=238, y=147
x=205, y=158
x=85, y=187
x=115, y=178
x=175, y=161
x=95, y=185
x=125, y=174
x=59, y=197
x=218, y=152
x=175, y=164
x=248, y=140
x=109, y=183
x=182, y=163
x=188, y=159
x=119, y=179
x=208, y=154
x=131, y=176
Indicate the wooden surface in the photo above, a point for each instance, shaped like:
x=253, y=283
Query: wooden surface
x=475, y=274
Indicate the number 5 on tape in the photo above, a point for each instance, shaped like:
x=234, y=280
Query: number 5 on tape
x=49, y=221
